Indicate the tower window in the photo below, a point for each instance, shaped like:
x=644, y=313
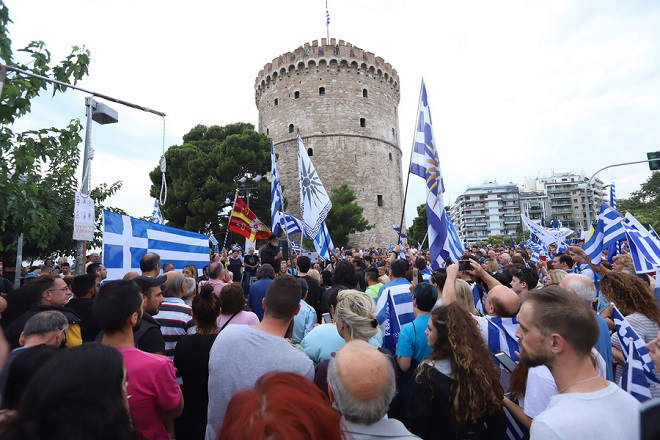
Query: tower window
x=277, y=102
x=291, y=131
x=296, y=95
x=267, y=132
x=321, y=90
x=364, y=93
x=390, y=156
x=310, y=152
x=363, y=122
x=380, y=199
x=393, y=133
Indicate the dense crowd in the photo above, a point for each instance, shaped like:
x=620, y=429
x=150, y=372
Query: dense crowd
x=372, y=343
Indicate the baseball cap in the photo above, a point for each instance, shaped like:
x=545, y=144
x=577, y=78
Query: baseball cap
x=147, y=282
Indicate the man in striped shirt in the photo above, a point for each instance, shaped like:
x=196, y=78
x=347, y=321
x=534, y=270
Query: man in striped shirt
x=174, y=315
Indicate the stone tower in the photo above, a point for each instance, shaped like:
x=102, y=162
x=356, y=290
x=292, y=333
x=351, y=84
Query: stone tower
x=344, y=100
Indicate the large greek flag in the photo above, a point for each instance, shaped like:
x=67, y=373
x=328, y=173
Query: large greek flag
x=127, y=239
x=608, y=230
x=639, y=370
x=644, y=247
x=275, y=192
x=453, y=244
x=314, y=200
x=323, y=243
x=502, y=336
x=426, y=164
x=293, y=225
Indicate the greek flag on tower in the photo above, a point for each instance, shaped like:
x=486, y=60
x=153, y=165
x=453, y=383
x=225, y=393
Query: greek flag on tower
x=425, y=164
x=127, y=239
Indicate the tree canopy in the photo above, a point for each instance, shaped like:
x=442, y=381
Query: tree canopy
x=202, y=176
x=345, y=217
x=644, y=203
x=37, y=167
x=417, y=231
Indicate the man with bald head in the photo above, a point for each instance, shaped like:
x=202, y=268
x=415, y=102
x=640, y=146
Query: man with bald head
x=499, y=326
x=361, y=385
x=582, y=286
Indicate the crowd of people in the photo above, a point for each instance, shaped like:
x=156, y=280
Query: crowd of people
x=372, y=343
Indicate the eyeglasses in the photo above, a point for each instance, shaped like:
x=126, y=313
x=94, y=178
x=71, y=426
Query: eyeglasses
x=62, y=289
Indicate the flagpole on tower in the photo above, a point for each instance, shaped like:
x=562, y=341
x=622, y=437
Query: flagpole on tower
x=327, y=21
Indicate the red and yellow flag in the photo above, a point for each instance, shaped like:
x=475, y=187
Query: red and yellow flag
x=244, y=222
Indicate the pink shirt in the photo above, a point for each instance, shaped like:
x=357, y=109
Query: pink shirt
x=245, y=318
x=152, y=388
x=216, y=284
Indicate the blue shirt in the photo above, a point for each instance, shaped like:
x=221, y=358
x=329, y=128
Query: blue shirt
x=604, y=346
x=304, y=321
x=257, y=294
x=324, y=339
x=412, y=339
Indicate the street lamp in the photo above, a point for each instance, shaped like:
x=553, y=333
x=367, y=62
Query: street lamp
x=101, y=114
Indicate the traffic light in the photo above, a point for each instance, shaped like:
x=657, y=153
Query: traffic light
x=654, y=160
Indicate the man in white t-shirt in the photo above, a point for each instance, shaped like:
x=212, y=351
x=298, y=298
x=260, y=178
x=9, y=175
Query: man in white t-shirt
x=558, y=330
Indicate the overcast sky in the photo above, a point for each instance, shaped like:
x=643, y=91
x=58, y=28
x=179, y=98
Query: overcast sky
x=517, y=89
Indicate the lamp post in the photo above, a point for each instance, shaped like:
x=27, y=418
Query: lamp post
x=101, y=114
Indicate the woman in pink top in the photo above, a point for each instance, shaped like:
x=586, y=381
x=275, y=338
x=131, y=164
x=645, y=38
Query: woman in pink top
x=232, y=308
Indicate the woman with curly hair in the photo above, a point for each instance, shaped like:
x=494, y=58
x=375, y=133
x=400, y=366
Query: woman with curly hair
x=456, y=393
x=637, y=303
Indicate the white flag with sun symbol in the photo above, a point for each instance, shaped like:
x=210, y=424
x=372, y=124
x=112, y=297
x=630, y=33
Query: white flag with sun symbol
x=314, y=200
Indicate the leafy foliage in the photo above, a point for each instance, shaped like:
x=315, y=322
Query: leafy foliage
x=417, y=231
x=37, y=167
x=345, y=217
x=202, y=175
x=644, y=203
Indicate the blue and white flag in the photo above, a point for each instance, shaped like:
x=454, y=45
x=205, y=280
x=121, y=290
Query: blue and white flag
x=453, y=245
x=653, y=233
x=398, y=231
x=502, y=336
x=608, y=230
x=545, y=237
x=327, y=14
x=156, y=216
x=127, y=239
x=323, y=243
x=314, y=200
x=214, y=241
x=293, y=225
x=426, y=164
x=639, y=371
x=614, y=248
x=644, y=247
x=296, y=248
x=275, y=192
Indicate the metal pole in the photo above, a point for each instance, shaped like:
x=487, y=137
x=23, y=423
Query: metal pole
x=586, y=190
x=89, y=106
x=19, y=262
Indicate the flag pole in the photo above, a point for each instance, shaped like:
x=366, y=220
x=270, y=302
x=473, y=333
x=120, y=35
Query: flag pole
x=405, y=195
x=224, y=244
x=631, y=346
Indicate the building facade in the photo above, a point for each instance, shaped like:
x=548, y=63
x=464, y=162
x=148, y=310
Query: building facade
x=566, y=199
x=344, y=101
x=485, y=210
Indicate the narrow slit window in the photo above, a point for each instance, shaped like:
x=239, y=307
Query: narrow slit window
x=365, y=94
x=291, y=131
x=363, y=122
x=321, y=91
x=277, y=102
x=310, y=152
x=380, y=199
x=296, y=95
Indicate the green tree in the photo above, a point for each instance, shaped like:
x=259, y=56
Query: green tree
x=202, y=175
x=37, y=167
x=417, y=231
x=345, y=217
x=644, y=203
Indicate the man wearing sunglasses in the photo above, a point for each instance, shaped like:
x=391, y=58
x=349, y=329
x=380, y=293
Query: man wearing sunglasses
x=47, y=293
